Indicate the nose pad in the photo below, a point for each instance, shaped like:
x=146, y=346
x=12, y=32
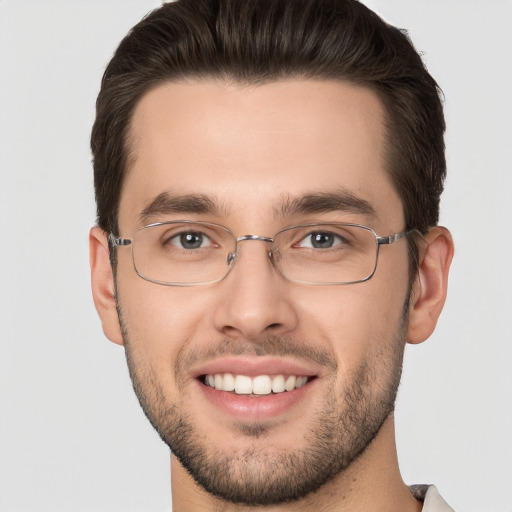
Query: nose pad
x=231, y=258
x=275, y=255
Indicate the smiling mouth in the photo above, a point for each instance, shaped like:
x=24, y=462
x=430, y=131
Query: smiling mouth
x=259, y=385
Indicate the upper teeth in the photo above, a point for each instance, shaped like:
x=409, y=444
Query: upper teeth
x=260, y=385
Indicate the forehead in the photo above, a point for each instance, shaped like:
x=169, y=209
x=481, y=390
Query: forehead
x=253, y=149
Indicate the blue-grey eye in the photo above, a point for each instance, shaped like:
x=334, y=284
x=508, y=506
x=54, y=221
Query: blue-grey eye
x=321, y=240
x=190, y=240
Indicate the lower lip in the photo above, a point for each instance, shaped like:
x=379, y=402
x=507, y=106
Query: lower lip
x=255, y=407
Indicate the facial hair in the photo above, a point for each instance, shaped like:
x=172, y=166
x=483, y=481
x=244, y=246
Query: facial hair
x=343, y=425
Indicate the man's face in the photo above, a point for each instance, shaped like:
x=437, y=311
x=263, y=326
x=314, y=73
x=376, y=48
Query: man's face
x=254, y=152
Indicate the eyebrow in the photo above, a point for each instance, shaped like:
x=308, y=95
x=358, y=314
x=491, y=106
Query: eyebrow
x=166, y=203
x=319, y=202
x=325, y=202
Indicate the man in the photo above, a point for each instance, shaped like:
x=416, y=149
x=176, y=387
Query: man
x=254, y=161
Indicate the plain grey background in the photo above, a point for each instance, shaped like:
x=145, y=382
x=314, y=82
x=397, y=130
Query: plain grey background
x=72, y=436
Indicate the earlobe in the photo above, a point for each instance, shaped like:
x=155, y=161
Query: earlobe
x=102, y=283
x=428, y=293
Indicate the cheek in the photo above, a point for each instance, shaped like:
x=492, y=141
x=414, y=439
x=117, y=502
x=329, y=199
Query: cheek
x=160, y=320
x=357, y=321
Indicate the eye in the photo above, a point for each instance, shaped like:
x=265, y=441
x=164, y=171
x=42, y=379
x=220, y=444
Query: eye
x=190, y=240
x=321, y=240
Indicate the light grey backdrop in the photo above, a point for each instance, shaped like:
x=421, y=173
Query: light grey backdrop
x=72, y=437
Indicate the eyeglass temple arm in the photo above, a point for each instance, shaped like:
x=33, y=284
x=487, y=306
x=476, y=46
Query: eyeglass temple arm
x=116, y=241
x=391, y=239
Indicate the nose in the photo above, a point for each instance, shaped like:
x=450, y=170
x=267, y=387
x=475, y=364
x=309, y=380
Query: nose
x=255, y=300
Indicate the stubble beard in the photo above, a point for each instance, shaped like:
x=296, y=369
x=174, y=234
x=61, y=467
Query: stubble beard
x=342, y=427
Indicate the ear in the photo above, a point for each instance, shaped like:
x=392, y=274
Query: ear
x=102, y=282
x=429, y=289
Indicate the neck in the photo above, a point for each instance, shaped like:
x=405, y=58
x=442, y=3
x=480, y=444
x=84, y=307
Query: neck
x=372, y=482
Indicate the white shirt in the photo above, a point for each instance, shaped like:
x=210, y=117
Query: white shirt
x=432, y=501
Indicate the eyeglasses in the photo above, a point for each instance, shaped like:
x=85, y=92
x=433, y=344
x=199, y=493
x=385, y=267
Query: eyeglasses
x=188, y=253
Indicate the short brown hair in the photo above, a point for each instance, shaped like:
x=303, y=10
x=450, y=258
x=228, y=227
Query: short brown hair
x=258, y=41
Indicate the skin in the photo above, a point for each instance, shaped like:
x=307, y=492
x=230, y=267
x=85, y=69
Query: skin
x=250, y=149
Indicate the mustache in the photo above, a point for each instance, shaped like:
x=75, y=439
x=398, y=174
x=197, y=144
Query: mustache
x=280, y=346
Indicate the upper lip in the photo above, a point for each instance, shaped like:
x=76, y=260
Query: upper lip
x=253, y=366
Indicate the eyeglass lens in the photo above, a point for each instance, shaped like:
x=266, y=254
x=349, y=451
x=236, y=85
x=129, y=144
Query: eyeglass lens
x=196, y=253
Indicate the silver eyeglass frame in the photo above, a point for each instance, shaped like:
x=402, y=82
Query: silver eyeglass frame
x=272, y=254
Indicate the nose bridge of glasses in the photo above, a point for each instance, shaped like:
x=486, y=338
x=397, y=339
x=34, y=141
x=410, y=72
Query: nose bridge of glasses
x=232, y=255
x=254, y=237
